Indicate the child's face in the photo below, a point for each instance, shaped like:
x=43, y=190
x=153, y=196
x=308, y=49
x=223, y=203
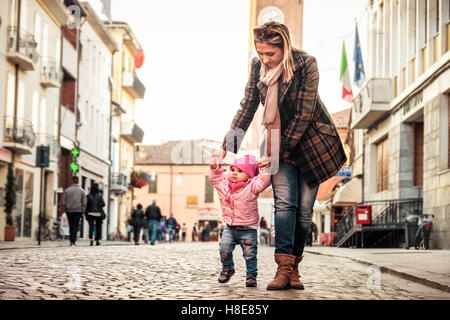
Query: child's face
x=237, y=175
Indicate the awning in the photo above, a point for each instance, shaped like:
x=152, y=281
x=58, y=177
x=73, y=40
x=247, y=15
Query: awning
x=320, y=207
x=327, y=196
x=349, y=193
x=207, y=215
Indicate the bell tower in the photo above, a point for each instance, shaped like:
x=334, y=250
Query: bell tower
x=288, y=12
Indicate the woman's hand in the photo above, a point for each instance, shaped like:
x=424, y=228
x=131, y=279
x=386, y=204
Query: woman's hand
x=264, y=162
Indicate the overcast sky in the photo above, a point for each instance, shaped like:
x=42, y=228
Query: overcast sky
x=196, y=51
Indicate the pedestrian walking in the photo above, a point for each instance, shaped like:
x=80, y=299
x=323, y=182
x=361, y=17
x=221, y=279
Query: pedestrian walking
x=177, y=232
x=238, y=192
x=206, y=231
x=129, y=227
x=183, y=232
x=153, y=216
x=285, y=80
x=137, y=218
x=74, y=202
x=162, y=231
x=264, y=230
x=194, y=232
x=145, y=235
x=171, y=225
x=94, y=209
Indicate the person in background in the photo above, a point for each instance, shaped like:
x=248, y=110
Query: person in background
x=162, y=231
x=74, y=202
x=183, y=232
x=138, y=221
x=171, y=225
x=194, y=232
x=153, y=215
x=94, y=207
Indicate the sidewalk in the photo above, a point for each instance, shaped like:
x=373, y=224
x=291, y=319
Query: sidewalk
x=26, y=244
x=428, y=267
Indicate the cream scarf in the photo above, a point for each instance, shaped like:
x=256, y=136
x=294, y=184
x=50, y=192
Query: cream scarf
x=271, y=117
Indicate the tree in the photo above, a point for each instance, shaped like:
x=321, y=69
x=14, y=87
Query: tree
x=10, y=196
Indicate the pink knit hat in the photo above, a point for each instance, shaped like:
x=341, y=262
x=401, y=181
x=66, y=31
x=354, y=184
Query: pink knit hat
x=248, y=164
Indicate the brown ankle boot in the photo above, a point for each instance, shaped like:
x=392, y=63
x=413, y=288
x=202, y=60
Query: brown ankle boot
x=295, y=282
x=285, y=266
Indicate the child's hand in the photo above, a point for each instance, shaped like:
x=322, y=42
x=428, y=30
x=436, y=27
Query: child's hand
x=214, y=163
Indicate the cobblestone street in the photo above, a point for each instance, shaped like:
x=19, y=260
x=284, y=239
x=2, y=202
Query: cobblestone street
x=185, y=271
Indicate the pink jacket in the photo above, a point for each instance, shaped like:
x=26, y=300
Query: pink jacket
x=243, y=210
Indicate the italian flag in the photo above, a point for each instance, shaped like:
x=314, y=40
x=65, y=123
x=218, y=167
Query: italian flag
x=347, y=93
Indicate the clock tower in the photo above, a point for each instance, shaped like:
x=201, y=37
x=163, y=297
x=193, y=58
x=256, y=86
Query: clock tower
x=288, y=12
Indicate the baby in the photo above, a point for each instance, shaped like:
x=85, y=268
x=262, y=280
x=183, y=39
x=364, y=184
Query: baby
x=238, y=192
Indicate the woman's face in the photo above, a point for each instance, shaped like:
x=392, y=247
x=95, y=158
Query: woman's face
x=269, y=55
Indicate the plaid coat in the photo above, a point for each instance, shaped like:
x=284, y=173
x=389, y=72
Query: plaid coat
x=308, y=135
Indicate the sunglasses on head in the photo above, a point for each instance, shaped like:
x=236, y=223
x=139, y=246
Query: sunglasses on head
x=261, y=33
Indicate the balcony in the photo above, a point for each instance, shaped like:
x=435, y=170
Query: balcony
x=119, y=184
x=372, y=102
x=19, y=135
x=132, y=85
x=52, y=142
x=21, y=49
x=51, y=74
x=132, y=132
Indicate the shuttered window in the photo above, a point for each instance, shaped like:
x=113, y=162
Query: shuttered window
x=418, y=154
x=382, y=165
x=152, y=185
x=209, y=191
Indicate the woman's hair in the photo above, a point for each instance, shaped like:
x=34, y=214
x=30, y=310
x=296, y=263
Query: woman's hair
x=277, y=34
x=139, y=206
x=94, y=188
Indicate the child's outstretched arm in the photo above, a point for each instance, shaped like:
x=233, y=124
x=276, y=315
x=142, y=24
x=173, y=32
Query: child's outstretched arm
x=261, y=182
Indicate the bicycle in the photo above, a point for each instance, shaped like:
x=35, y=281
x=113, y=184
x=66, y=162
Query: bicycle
x=57, y=231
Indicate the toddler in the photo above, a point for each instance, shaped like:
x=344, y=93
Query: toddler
x=238, y=191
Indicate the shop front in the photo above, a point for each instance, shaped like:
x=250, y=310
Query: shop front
x=209, y=222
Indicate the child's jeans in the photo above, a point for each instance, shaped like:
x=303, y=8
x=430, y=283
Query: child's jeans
x=245, y=237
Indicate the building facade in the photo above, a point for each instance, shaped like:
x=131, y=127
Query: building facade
x=400, y=117
x=94, y=106
x=30, y=82
x=125, y=133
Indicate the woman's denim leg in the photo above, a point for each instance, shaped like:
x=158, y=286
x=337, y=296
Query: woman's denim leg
x=285, y=189
x=307, y=196
x=226, y=247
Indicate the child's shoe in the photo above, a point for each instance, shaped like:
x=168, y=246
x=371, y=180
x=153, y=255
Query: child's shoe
x=251, y=280
x=225, y=275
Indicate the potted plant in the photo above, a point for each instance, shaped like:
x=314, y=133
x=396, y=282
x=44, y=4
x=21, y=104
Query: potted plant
x=10, y=203
x=138, y=179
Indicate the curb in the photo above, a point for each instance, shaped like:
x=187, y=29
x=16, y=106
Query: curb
x=402, y=275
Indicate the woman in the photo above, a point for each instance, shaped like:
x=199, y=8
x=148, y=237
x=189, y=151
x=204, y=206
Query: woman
x=138, y=219
x=301, y=134
x=94, y=207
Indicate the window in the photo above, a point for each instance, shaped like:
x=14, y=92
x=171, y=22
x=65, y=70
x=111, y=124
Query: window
x=382, y=165
x=418, y=154
x=192, y=201
x=209, y=191
x=152, y=185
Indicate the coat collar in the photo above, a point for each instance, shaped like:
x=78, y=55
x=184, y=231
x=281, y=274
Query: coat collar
x=284, y=86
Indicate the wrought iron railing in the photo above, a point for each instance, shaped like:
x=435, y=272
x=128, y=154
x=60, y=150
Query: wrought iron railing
x=50, y=70
x=22, y=42
x=119, y=179
x=19, y=131
x=346, y=224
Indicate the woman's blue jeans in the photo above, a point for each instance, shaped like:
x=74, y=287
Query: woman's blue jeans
x=294, y=201
x=245, y=237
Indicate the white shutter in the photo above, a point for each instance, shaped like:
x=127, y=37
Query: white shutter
x=35, y=110
x=45, y=41
x=10, y=95
x=21, y=100
x=43, y=115
x=38, y=33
